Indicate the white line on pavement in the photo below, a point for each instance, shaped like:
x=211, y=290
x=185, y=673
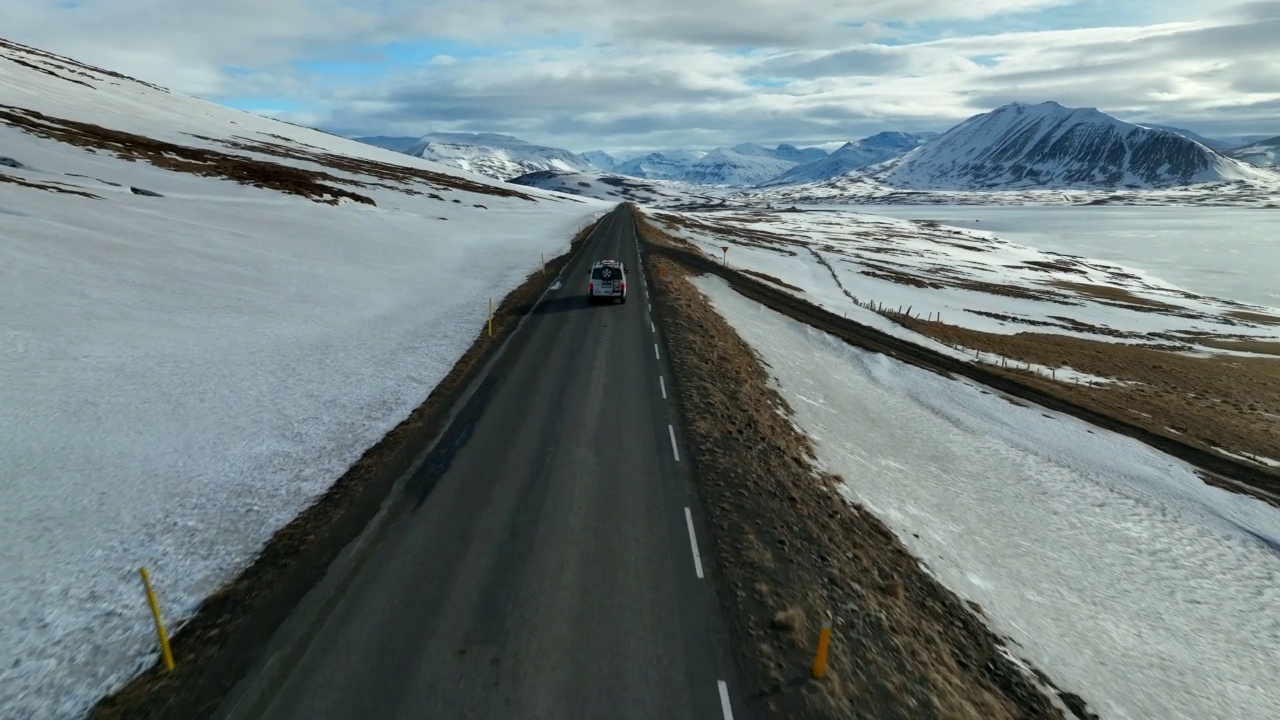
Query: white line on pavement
x=724, y=700
x=662, y=384
x=693, y=541
x=655, y=352
x=674, y=451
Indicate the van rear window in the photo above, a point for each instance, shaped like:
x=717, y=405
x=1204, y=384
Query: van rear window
x=598, y=273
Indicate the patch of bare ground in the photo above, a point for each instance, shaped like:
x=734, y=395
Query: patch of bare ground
x=1224, y=401
x=789, y=549
x=774, y=280
x=1255, y=317
x=54, y=188
x=1116, y=295
x=309, y=184
x=1262, y=347
x=1014, y=291
x=227, y=636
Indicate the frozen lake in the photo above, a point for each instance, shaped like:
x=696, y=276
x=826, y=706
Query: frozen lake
x=1230, y=253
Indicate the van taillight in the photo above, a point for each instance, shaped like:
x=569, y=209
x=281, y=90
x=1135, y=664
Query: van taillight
x=591, y=287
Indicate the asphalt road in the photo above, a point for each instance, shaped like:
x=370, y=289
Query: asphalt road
x=539, y=562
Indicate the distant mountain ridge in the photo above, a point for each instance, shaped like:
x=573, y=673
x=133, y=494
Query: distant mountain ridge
x=852, y=156
x=1019, y=145
x=1264, y=153
x=1049, y=145
x=499, y=156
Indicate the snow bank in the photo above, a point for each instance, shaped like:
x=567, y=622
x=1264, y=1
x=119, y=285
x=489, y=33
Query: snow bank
x=1108, y=565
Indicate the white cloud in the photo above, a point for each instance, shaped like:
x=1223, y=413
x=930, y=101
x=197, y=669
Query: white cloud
x=672, y=72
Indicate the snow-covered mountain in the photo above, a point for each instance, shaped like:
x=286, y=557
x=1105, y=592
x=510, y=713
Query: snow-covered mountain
x=600, y=159
x=207, y=317
x=852, y=156
x=498, y=156
x=662, y=165
x=1048, y=145
x=747, y=164
x=1264, y=153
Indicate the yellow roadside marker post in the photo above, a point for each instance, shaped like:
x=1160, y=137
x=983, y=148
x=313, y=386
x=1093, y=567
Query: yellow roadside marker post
x=165, y=652
x=725, y=249
x=820, y=660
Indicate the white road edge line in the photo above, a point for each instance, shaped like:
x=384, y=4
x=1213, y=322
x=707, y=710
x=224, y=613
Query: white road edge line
x=724, y=700
x=663, y=384
x=652, y=327
x=693, y=541
x=655, y=352
x=674, y=451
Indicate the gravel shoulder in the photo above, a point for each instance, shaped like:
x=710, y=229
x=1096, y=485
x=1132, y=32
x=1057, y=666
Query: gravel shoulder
x=793, y=552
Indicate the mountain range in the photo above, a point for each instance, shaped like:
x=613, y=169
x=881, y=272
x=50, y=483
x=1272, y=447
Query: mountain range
x=499, y=156
x=1018, y=145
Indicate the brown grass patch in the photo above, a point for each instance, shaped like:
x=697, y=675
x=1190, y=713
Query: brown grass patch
x=1115, y=295
x=1014, y=291
x=1254, y=317
x=1228, y=402
x=772, y=279
x=1262, y=347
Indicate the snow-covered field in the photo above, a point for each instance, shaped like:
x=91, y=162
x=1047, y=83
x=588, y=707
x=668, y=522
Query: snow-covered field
x=858, y=188
x=1223, y=252
x=1109, y=566
x=844, y=261
x=181, y=375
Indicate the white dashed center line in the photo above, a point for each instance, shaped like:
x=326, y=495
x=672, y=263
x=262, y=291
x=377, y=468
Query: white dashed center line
x=724, y=700
x=693, y=541
x=674, y=450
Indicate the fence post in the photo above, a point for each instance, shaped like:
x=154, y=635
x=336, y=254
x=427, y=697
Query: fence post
x=824, y=643
x=166, y=654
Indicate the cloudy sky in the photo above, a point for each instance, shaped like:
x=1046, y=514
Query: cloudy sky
x=642, y=74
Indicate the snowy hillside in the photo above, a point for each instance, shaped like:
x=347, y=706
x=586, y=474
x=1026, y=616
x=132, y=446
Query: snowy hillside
x=498, y=156
x=207, y=317
x=1264, y=153
x=1048, y=145
x=665, y=165
x=851, y=156
x=745, y=165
